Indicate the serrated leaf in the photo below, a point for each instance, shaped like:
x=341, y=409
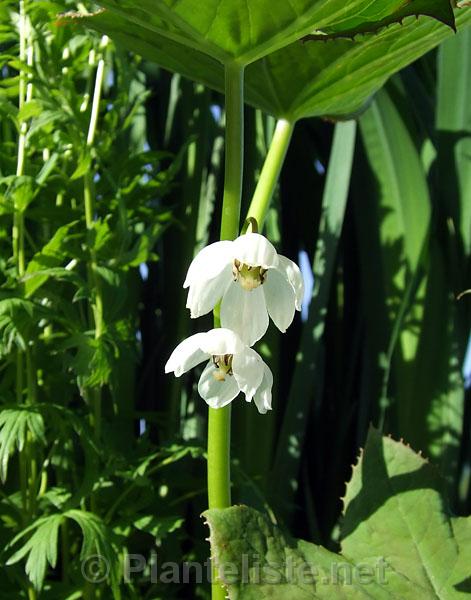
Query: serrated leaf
x=97, y=542
x=329, y=78
x=242, y=31
x=441, y=11
x=15, y=423
x=394, y=507
x=41, y=548
x=18, y=318
x=399, y=540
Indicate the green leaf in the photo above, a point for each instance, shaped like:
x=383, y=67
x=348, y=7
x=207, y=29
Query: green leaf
x=401, y=180
x=454, y=122
x=15, y=424
x=158, y=527
x=333, y=78
x=399, y=540
x=20, y=192
x=18, y=319
x=44, y=264
x=241, y=31
x=336, y=78
x=306, y=374
x=394, y=508
x=142, y=250
x=41, y=548
x=83, y=166
x=32, y=108
x=441, y=11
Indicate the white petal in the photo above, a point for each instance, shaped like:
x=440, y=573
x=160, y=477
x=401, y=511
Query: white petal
x=247, y=368
x=255, y=250
x=203, y=295
x=280, y=299
x=262, y=398
x=292, y=273
x=186, y=355
x=245, y=312
x=217, y=393
x=221, y=341
x=209, y=262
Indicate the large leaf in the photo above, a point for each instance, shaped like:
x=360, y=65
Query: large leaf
x=337, y=77
x=331, y=77
x=246, y=31
x=399, y=540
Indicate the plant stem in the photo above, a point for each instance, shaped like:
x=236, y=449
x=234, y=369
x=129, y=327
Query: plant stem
x=234, y=151
x=25, y=94
x=89, y=203
x=270, y=171
x=219, y=420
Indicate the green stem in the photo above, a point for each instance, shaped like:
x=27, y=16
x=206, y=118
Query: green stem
x=219, y=420
x=89, y=204
x=234, y=151
x=270, y=171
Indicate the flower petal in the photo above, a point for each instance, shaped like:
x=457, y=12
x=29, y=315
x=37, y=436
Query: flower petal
x=293, y=274
x=262, y=397
x=280, y=299
x=247, y=368
x=209, y=262
x=221, y=341
x=203, y=295
x=255, y=250
x=186, y=355
x=245, y=312
x=217, y=393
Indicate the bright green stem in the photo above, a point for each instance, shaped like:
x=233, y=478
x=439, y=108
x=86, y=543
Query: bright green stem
x=270, y=171
x=234, y=151
x=219, y=424
x=219, y=440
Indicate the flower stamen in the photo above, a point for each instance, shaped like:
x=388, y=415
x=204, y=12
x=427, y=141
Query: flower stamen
x=224, y=366
x=249, y=276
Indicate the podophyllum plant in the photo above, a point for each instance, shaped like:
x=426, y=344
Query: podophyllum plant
x=72, y=298
x=212, y=34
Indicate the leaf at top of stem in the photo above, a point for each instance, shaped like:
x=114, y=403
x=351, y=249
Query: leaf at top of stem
x=247, y=31
x=333, y=77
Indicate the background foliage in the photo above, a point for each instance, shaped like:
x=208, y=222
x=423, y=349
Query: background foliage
x=101, y=212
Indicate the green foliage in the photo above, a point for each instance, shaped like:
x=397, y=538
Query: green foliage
x=15, y=424
x=100, y=452
x=398, y=539
x=41, y=548
x=315, y=78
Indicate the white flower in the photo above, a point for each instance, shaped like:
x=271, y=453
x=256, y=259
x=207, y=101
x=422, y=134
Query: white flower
x=252, y=279
x=233, y=367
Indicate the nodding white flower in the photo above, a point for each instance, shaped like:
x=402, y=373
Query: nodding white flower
x=252, y=279
x=233, y=367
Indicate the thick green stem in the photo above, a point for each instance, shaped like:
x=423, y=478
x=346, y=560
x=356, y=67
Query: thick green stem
x=219, y=424
x=234, y=151
x=270, y=171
